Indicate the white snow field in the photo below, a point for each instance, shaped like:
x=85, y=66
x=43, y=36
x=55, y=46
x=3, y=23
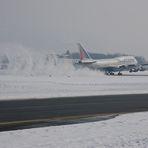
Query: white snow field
x=125, y=131
x=21, y=87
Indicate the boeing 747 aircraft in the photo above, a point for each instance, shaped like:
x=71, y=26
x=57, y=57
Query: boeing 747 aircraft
x=109, y=66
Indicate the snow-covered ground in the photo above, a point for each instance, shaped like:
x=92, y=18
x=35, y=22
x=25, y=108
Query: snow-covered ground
x=78, y=84
x=125, y=131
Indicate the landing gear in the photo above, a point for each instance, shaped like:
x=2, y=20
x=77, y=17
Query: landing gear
x=112, y=73
x=109, y=73
x=119, y=74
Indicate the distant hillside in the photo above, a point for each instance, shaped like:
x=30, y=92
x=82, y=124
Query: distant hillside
x=69, y=55
x=3, y=61
x=97, y=55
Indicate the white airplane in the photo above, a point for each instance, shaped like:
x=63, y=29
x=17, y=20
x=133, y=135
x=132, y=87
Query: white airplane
x=109, y=66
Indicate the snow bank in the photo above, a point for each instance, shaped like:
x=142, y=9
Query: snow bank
x=125, y=131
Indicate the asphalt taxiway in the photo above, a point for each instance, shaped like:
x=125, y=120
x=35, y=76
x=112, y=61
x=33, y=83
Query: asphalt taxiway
x=16, y=113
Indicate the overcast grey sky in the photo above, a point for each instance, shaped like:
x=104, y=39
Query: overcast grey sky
x=106, y=26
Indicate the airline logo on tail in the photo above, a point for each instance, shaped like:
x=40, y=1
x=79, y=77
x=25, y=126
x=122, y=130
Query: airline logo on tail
x=85, y=58
x=83, y=53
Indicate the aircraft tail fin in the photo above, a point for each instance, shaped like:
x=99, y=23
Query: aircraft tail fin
x=83, y=53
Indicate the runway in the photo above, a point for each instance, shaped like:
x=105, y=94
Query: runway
x=16, y=113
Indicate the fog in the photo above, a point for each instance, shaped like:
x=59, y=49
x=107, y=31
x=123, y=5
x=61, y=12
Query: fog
x=102, y=26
